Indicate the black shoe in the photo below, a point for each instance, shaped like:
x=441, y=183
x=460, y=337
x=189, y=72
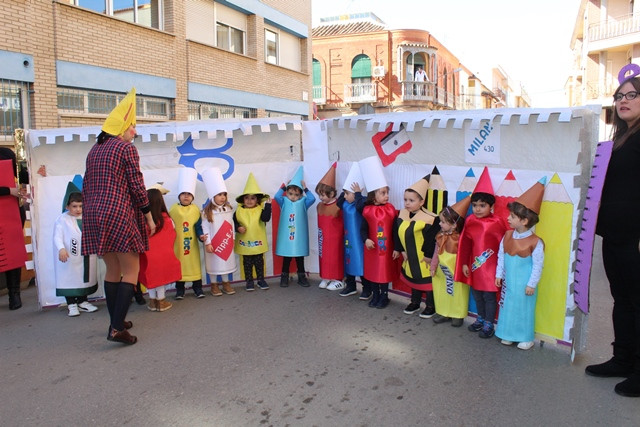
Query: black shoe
x=348, y=291
x=139, y=298
x=179, y=294
x=440, y=319
x=14, y=300
x=365, y=295
x=374, y=300
x=428, y=312
x=610, y=368
x=199, y=293
x=487, y=330
x=456, y=323
x=263, y=285
x=383, y=301
x=249, y=286
x=476, y=326
x=629, y=387
x=284, y=280
x=302, y=280
x=412, y=308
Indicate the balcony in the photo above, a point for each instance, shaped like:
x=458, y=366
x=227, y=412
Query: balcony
x=359, y=93
x=319, y=95
x=614, y=28
x=418, y=91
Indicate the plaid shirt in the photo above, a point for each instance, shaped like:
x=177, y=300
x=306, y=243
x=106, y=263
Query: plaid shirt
x=113, y=193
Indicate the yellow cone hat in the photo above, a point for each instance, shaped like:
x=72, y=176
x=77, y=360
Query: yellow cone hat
x=123, y=116
x=421, y=187
x=251, y=187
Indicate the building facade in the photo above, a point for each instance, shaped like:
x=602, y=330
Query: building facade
x=66, y=63
x=605, y=38
x=361, y=67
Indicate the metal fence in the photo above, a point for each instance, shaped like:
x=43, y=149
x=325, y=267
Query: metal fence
x=14, y=106
x=201, y=110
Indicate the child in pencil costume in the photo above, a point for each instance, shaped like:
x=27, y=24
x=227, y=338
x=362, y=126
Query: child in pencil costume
x=351, y=202
x=250, y=218
x=478, y=254
x=159, y=266
x=451, y=297
x=415, y=239
x=217, y=226
x=76, y=276
x=519, y=268
x=293, y=226
x=330, y=233
x=377, y=233
x=186, y=217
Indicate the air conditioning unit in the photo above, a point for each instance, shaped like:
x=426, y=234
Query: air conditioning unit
x=378, y=71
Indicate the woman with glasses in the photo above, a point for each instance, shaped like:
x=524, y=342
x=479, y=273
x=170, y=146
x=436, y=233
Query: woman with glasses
x=621, y=238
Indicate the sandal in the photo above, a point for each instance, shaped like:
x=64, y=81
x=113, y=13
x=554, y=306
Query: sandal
x=123, y=336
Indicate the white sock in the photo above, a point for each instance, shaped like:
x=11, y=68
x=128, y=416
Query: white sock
x=160, y=292
x=152, y=293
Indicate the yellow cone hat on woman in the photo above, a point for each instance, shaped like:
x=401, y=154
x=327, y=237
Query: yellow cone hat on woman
x=251, y=187
x=123, y=116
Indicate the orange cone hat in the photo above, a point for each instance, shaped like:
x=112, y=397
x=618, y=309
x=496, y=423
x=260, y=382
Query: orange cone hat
x=329, y=178
x=462, y=207
x=532, y=198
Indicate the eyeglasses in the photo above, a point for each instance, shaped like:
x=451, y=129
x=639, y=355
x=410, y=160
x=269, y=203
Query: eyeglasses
x=629, y=95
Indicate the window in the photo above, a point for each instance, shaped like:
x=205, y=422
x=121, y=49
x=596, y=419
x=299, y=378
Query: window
x=229, y=38
x=361, y=69
x=81, y=102
x=143, y=12
x=202, y=110
x=271, y=47
x=13, y=95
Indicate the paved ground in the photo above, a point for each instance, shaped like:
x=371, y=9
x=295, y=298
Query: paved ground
x=294, y=356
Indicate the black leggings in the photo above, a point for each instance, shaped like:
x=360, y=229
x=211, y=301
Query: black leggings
x=286, y=262
x=251, y=261
x=76, y=300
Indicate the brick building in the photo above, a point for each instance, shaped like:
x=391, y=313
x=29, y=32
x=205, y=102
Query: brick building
x=66, y=63
x=360, y=66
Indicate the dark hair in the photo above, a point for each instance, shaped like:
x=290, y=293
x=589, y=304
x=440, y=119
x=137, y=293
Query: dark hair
x=522, y=212
x=103, y=136
x=325, y=189
x=414, y=191
x=620, y=131
x=371, y=197
x=8, y=154
x=453, y=217
x=300, y=190
x=74, y=197
x=483, y=197
x=157, y=207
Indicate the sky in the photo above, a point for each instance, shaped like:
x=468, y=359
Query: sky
x=529, y=40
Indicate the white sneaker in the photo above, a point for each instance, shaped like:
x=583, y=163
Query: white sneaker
x=86, y=306
x=335, y=285
x=73, y=310
x=525, y=345
x=323, y=284
x=506, y=342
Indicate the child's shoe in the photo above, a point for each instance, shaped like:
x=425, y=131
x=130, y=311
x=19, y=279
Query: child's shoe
x=438, y=318
x=215, y=290
x=227, y=289
x=263, y=285
x=456, y=323
x=284, y=280
x=302, y=280
x=349, y=290
x=525, y=345
x=139, y=297
x=506, y=342
x=73, y=310
x=199, y=293
x=153, y=304
x=335, y=285
x=179, y=291
x=383, y=301
x=163, y=305
x=428, y=312
x=477, y=325
x=366, y=292
x=375, y=297
x=629, y=387
x=323, y=284
x=487, y=330
x=249, y=286
x=87, y=307
x=412, y=308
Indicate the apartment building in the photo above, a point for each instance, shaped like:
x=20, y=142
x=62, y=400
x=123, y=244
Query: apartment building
x=360, y=66
x=605, y=38
x=66, y=63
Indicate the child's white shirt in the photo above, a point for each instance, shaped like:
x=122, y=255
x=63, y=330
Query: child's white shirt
x=537, y=257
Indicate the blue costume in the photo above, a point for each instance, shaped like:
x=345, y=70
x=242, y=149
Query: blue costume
x=293, y=228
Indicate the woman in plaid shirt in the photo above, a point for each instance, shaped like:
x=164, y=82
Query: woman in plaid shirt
x=116, y=208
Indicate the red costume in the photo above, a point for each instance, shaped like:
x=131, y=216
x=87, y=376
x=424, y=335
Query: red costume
x=478, y=249
x=379, y=266
x=330, y=241
x=159, y=265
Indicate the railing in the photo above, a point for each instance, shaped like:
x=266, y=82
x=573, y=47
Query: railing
x=619, y=27
x=319, y=95
x=84, y=102
x=596, y=90
x=417, y=91
x=360, y=92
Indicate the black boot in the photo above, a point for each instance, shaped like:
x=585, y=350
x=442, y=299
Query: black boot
x=302, y=280
x=375, y=292
x=366, y=289
x=284, y=280
x=13, y=287
x=383, y=300
x=137, y=294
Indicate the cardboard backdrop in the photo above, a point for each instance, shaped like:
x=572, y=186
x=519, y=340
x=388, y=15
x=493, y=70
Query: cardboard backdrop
x=519, y=146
